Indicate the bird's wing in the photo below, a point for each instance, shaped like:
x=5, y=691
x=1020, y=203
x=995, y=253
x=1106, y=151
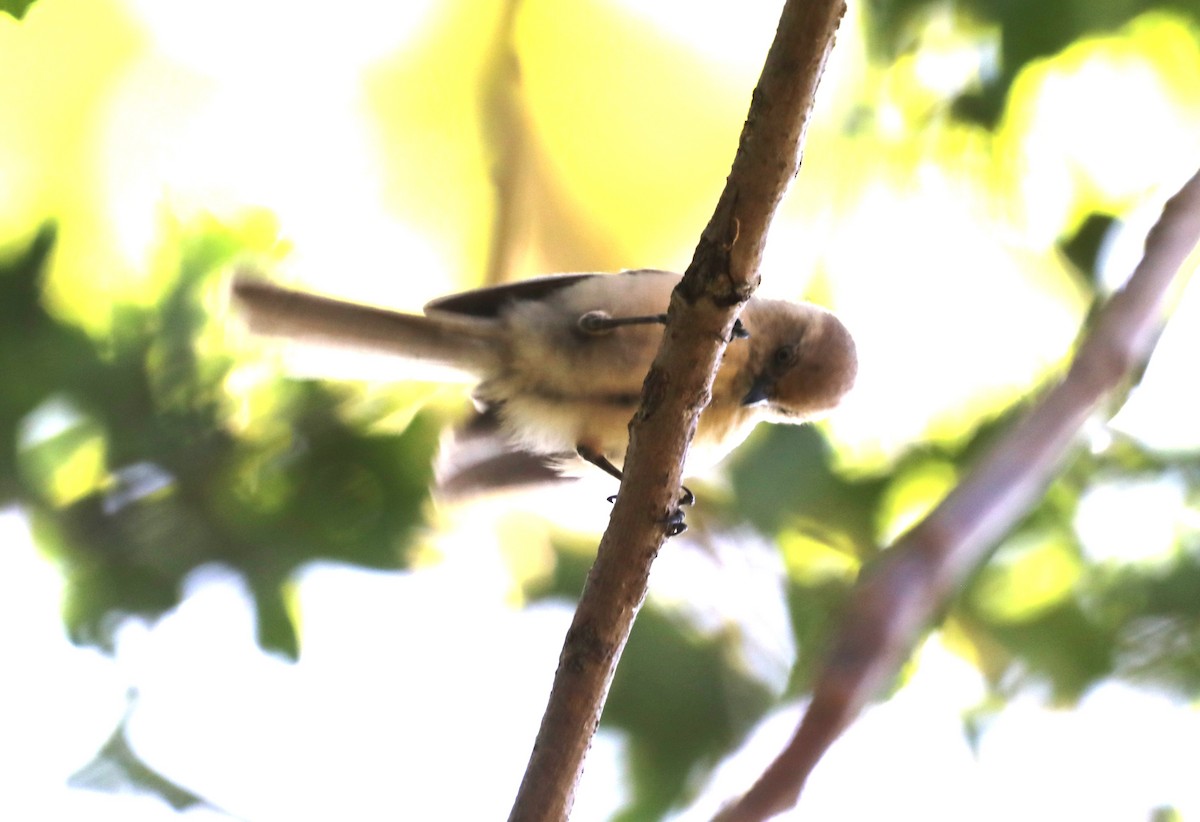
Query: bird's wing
x=478, y=456
x=487, y=302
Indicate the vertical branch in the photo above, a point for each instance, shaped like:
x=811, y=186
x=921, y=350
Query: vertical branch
x=506, y=138
x=722, y=275
x=898, y=598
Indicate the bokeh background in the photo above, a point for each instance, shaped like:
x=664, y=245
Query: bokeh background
x=226, y=591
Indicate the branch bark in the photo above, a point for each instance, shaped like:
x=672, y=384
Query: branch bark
x=898, y=598
x=722, y=275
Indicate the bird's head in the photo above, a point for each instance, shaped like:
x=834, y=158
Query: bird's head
x=803, y=361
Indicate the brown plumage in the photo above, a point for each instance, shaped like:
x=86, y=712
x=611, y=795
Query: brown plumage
x=559, y=386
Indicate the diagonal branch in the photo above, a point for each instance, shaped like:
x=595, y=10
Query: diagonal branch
x=722, y=275
x=900, y=596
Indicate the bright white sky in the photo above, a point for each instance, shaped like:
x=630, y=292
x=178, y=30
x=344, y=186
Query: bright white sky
x=347, y=733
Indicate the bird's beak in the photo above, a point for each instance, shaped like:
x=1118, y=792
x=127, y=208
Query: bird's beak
x=760, y=391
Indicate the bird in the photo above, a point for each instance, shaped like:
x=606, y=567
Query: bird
x=559, y=360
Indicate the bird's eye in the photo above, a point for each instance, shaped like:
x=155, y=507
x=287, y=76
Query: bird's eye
x=784, y=356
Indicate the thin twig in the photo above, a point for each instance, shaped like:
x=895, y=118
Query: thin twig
x=722, y=275
x=900, y=596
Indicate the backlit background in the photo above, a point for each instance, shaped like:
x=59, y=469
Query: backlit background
x=225, y=592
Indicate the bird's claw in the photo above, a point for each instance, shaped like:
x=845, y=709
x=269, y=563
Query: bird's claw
x=675, y=523
x=674, y=520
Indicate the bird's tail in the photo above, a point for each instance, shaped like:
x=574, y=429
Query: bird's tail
x=468, y=344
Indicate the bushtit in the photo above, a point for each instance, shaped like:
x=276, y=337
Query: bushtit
x=561, y=359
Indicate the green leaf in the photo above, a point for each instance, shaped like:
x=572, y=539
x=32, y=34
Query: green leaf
x=16, y=8
x=685, y=702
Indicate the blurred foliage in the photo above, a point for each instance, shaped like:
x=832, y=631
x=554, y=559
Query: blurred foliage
x=145, y=442
x=16, y=8
x=137, y=471
x=1028, y=30
x=116, y=766
x=684, y=701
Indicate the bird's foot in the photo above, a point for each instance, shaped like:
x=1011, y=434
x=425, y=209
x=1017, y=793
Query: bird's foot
x=675, y=523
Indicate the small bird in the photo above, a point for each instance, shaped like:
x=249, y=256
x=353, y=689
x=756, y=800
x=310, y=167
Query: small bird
x=560, y=359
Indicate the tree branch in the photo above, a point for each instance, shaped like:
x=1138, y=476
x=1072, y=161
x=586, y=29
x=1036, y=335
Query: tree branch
x=506, y=137
x=722, y=275
x=898, y=598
